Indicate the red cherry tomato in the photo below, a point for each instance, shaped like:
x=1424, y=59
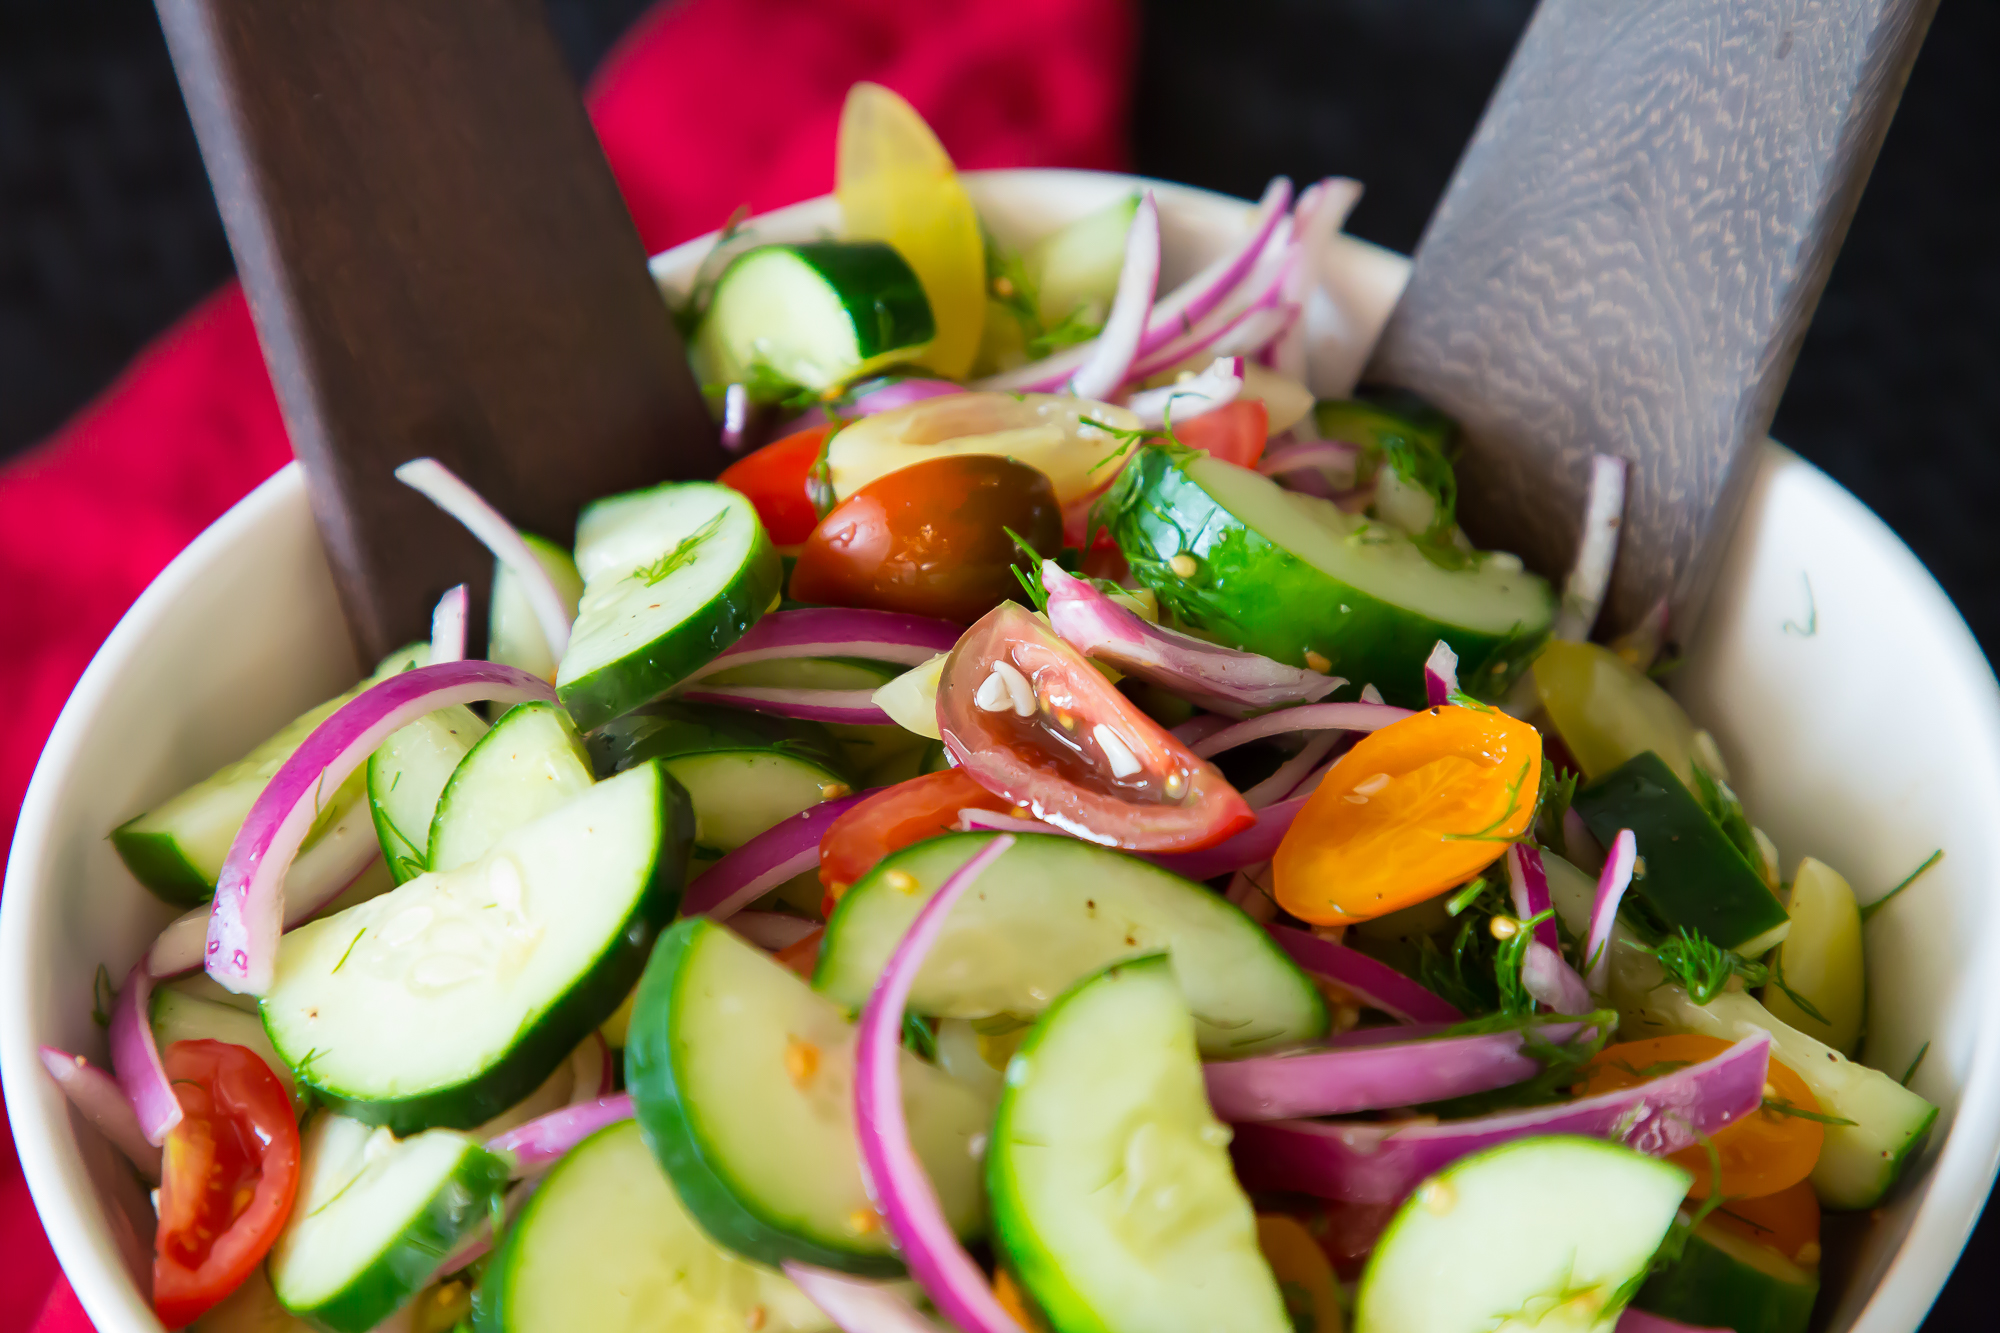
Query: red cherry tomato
x=931, y=539
x=230, y=1170
x=777, y=479
x=1031, y=720
x=893, y=818
x=1234, y=432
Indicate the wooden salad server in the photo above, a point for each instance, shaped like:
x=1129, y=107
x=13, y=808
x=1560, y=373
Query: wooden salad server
x=438, y=262
x=1626, y=261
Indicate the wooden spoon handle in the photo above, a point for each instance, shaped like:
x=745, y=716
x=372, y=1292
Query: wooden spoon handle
x=1628, y=256
x=438, y=262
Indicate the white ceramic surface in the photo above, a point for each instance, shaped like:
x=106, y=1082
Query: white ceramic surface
x=1853, y=705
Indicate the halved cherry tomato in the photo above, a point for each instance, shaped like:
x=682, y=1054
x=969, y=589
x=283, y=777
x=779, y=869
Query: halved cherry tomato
x=1304, y=1273
x=893, y=818
x=1787, y=1222
x=930, y=539
x=1234, y=432
x=802, y=954
x=1412, y=810
x=1029, y=717
x=230, y=1170
x=1766, y=1151
x=777, y=478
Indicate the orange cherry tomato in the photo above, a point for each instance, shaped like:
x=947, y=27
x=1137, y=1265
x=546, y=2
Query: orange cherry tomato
x=931, y=539
x=230, y=1171
x=1305, y=1274
x=1766, y=1151
x=778, y=478
x=1030, y=718
x=893, y=818
x=1412, y=810
x=802, y=954
x=1234, y=432
x=1787, y=1221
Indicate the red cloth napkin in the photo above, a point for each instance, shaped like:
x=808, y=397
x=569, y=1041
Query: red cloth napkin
x=706, y=105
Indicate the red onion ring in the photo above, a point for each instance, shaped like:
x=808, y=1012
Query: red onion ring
x=537, y=1145
x=789, y=847
x=1252, y=846
x=1381, y=1162
x=856, y=1305
x=1375, y=984
x=322, y=873
x=1235, y=313
x=889, y=1164
x=1611, y=885
x=248, y=913
x=1117, y=344
x=881, y=636
x=1440, y=675
x=1372, y=1076
x=1597, y=550
x=104, y=1104
x=851, y=706
x=1196, y=396
x=136, y=1059
x=1331, y=459
x=1311, y=717
x=772, y=931
x=448, y=626
x=443, y=488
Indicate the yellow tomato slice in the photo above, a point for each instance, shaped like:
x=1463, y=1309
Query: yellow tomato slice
x=1766, y=1151
x=1411, y=811
x=896, y=184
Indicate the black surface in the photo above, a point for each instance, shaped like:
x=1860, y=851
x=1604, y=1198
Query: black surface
x=107, y=232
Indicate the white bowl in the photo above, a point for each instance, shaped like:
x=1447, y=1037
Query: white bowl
x=1851, y=701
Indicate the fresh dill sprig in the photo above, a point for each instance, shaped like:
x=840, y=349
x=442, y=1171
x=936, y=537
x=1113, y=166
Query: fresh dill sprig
x=1911, y=1072
x=919, y=1037
x=1868, y=910
x=1703, y=968
x=1552, y=802
x=1560, y=1061
x=1031, y=576
x=1779, y=1106
x=1510, y=960
x=681, y=555
x=1471, y=895
x=1513, y=803
x=103, y=995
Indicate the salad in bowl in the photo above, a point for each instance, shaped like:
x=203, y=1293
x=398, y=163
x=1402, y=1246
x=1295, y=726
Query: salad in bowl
x=1066, y=833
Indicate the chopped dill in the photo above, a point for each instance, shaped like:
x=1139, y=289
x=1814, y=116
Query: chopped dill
x=103, y=995
x=682, y=554
x=1703, y=968
x=1911, y=1072
x=1868, y=910
x=1779, y=1106
x=1031, y=576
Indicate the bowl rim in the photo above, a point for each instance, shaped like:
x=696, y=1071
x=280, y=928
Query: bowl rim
x=43, y=1125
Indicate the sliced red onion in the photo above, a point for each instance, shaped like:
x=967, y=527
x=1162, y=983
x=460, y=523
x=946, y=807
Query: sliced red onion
x=1309, y=783
x=1528, y=885
x=136, y=1059
x=772, y=931
x=857, y=1305
x=104, y=1104
x=739, y=416
x=1253, y=332
x=880, y=636
x=883, y=398
x=479, y=1241
x=1547, y=976
x=1199, y=727
x=537, y=1144
x=789, y=847
x=1247, y=893
x=1381, y=1162
x=1580, y=844
x=1440, y=675
x=321, y=873
x=1597, y=550
x=973, y=819
x=248, y=913
x=448, y=626
x=1180, y=310
x=1312, y=717
x=1322, y=208
x=889, y=1164
x=1117, y=344
x=1192, y=397
x=1611, y=885
x=1224, y=680
x=1375, y=984
x=1260, y=289
x=850, y=706
x=1288, y=777
x=1333, y=460
x=1635, y=1320
x=1374, y=1076
x=443, y=488
x=1257, y=843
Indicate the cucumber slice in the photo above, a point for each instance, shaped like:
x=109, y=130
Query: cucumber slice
x=1113, y=1198
x=743, y=1082
x=375, y=1216
x=405, y=778
x=1693, y=875
x=1289, y=575
x=530, y=764
x=819, y=314
x=513, y=634
x=176, y=849
x=450, y=998
x=1541, y=1233
x=604, y=1244
x=744, y=772
x=1075, y=269
x=671, y=577
x=178, y=1016
x=1723, y=1280
x=1051, y=911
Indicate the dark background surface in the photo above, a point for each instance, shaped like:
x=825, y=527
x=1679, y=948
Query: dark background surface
x=108, y=232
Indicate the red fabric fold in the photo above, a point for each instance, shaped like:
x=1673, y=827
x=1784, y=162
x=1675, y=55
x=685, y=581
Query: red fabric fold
x=706, y=105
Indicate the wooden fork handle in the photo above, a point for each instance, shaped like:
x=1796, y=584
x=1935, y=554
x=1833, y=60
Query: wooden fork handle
x=1628, y=256
x=438, y=262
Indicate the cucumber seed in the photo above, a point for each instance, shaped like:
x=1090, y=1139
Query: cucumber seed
x=902, y=881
